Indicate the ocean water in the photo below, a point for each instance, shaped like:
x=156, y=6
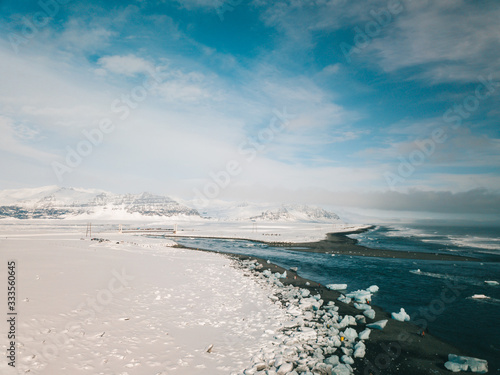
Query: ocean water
x=436, y=294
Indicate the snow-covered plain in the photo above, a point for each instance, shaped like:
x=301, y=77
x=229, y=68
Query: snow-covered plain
x=133, y=305
x=290, y=232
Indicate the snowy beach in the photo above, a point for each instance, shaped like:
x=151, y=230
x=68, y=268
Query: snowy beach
x=131, y=306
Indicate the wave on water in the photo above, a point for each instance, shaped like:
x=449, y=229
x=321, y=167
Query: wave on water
x=487, y=243
x=485, y=299
x=463, y=279
x=447, y=236
x=396, y=231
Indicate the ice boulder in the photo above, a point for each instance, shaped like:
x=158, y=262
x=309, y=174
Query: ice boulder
x=336, y=286
x=362, y=306
x=364, y=335
x=344, y=299
x=360, y=296
x=377, y=325
x=342, y=369
x=333, y=360
x=360, y=319
x=480, y=296
x=359, y=350
x=402, y=316
x=347, y=320
x=347, y=360
x=373, y=289
x=280, y=276
x=369, y=313
x=285, y=368
x=459, y=363
x=350, y=334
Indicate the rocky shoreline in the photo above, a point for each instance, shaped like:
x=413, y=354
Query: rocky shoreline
x=326, y=336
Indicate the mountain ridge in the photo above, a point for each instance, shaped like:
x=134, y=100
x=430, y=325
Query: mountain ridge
x=54, y=202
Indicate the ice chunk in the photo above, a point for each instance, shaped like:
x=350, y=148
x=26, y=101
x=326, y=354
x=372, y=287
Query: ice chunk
x=373, y=289
x=350, y=334
x=344, y=299
x=459, y=363
x=333, y=360
x=402, y=316
x=491, y=282
x=347, y=360
x=285, y=368
x=280, y=276
x=305, y=292
x=341, y=369
x=361, y=296
x=369, y=313
x=336, y=286
x=364, y=335
x=480, y=296
x=360, y=319
x=348, y=320
x=377, y=325
x=362, y=306
x=456, y=367
x=359, y=350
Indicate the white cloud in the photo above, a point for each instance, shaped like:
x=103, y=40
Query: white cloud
x=129, y=65
x=79, y=35
x=448, y=40
x=451, y=41
x=209, y=4
x=15, y=141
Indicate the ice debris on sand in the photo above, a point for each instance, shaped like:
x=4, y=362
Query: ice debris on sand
x=377, y=325
x=402, y=316
x=314, y=338
x=459, y=363
x=363, y=296
x=337, y=286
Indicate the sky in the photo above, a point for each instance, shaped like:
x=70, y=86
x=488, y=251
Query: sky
x=372, y=104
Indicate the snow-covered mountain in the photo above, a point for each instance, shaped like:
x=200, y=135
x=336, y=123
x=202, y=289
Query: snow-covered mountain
x=53, y=202
x=244, y=211
x=297, y=213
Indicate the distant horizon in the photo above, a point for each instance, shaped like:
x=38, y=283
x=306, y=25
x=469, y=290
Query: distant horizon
x=390, y=105
x=374, y=214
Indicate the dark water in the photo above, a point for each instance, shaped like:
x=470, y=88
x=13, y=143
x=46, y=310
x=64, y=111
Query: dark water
x=435, y=293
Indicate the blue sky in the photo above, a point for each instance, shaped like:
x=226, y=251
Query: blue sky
x=382, y=98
